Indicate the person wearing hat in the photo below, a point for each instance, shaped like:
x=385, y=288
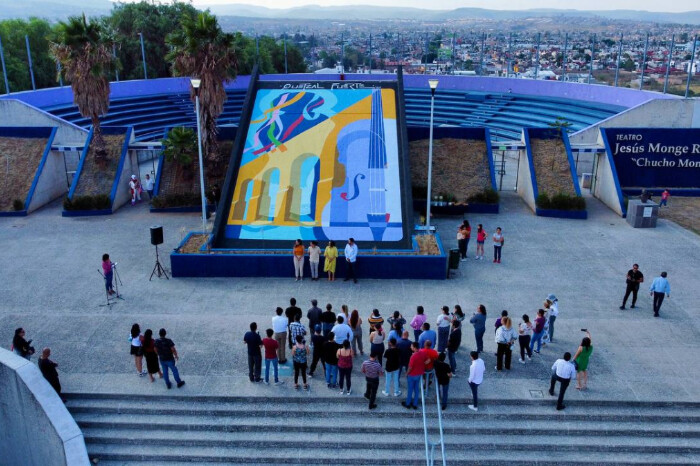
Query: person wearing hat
x=135, y=187
x=552, y=303
x=317, y=341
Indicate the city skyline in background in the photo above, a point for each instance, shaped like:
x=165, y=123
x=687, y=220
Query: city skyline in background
x=509, y=5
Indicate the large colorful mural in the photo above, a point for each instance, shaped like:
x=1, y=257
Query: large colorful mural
x=319, y=163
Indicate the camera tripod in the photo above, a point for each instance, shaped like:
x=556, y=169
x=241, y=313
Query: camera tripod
x=116, y=279
x=158, y=269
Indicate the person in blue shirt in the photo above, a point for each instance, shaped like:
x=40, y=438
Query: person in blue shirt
x=427, y=335
x=659, y=289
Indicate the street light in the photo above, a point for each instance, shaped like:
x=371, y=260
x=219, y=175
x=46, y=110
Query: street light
x=195, y=85
x=433, y=83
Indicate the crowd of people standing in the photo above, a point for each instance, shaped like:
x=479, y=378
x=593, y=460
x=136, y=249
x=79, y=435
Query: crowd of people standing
x=333, y=341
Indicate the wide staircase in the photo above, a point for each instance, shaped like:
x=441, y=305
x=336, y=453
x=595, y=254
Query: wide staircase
x=323, y=429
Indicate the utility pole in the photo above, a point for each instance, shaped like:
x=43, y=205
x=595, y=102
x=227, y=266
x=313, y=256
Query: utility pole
x=537, y=56
x=590, y=68
x=644, y=62
x=481, y=54
x=619, y=57
x=563, y=60
x=29, y=59
x=668, y=62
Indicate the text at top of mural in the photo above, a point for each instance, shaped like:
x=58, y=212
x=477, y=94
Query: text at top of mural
x=319, y=164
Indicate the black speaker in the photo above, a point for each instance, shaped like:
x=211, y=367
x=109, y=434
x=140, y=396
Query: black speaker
x=156, y=235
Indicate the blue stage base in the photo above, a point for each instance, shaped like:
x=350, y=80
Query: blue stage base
x=387, y=264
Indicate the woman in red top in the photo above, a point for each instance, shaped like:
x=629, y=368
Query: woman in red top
x=298, y=253
x=480, y=238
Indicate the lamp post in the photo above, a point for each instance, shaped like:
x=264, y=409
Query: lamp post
x=195, y=85
x=433, y=85
x=143, y=56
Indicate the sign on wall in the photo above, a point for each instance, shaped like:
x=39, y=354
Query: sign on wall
x=655, y=157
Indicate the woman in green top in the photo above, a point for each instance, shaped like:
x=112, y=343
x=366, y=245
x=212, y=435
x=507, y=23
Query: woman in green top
x=583, y=353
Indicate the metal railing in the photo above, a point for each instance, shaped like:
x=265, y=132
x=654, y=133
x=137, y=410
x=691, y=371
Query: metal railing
x=430, y=446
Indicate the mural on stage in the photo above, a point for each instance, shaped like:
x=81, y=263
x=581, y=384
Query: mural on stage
x=319, y=163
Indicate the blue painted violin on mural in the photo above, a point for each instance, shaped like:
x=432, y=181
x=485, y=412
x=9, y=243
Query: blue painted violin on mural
x=358, y=208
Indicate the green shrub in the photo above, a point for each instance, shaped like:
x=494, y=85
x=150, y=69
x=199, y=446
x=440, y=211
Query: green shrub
x=543, y=201
x=96, y=202
x=560, y=201
x=180, y=146
x=18, y=205
x=177, y=200
x=487, y=196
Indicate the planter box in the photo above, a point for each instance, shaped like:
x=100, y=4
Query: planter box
x=86, y=213
x=574, y=214
x=381, y=265
x=16, y=213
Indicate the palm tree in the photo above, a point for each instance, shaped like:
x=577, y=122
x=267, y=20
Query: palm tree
x=83, y=48
x=200, y=49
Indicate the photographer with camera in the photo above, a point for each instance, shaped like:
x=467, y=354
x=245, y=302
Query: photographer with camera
x=20, y=346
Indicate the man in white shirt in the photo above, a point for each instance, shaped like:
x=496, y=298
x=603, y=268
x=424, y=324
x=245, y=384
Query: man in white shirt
x=562, y=371
x=476, y=376
x=342, y=331
x=351, y=251
x=150, y=184
x=314, y=259
x=279, y=326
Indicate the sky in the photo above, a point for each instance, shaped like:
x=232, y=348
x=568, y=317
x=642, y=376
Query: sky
x=649, y=5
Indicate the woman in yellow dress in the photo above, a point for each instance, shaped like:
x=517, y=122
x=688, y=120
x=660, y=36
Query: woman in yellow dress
x=330, y=254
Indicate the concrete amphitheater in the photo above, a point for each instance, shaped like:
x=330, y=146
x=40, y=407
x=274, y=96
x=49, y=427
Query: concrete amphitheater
x=642, y=406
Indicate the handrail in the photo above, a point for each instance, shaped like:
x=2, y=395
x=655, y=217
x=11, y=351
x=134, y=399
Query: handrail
x=430, y=446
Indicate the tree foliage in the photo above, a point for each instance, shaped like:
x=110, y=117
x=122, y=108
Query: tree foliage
x=202, y=50
x=84, y=50
x=155, y=21
x=13, y=32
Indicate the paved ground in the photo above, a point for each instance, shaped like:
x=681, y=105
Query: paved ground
x=49, y=284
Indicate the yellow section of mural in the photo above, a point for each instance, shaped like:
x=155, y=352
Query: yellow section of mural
x=319, y=141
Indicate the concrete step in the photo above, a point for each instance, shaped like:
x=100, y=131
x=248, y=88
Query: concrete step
x=294, y=435
x=388, y=406
x=401, y=454
x=369, y=424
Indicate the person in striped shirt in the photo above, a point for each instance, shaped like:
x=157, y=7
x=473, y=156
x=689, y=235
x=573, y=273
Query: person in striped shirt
x=372, y=370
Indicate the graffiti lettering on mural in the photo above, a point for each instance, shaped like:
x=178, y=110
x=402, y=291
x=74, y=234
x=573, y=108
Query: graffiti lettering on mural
x=319, y=163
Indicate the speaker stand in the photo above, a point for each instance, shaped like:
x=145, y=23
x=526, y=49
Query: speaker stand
x=158, y=269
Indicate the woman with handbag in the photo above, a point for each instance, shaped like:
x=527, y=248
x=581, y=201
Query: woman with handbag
x=505, y=337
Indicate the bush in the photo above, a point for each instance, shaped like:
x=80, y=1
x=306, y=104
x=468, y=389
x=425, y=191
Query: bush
x=487, y=196
x=18, y=205
x=177, y=200
x=97, y=202
x=560, y=201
